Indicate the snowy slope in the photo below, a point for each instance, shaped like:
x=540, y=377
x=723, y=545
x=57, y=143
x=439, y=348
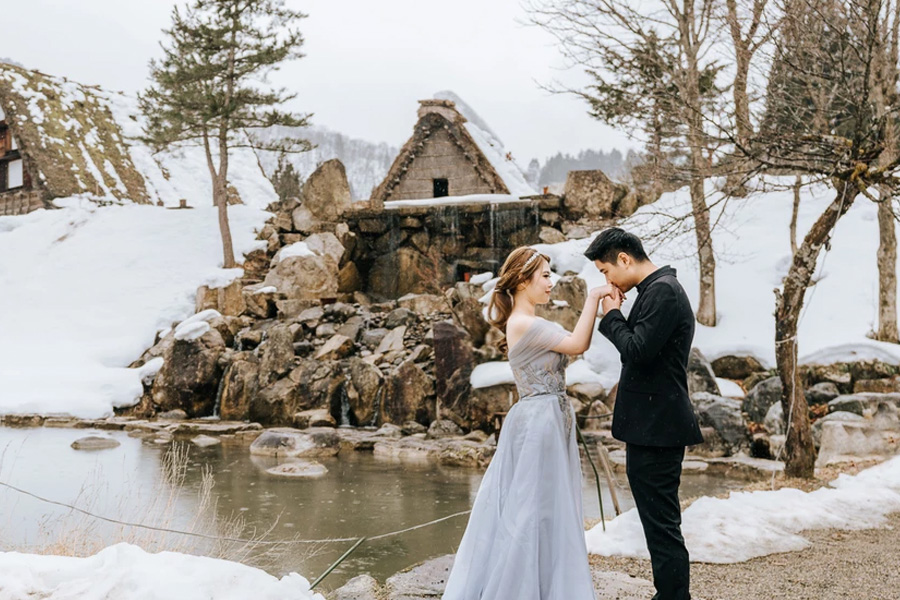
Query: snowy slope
x=750, y=524
x=753, y=252
x=91, y=136
x=125, y=572
x=85, y=289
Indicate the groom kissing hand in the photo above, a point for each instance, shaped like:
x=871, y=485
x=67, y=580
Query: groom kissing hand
x=653, y=413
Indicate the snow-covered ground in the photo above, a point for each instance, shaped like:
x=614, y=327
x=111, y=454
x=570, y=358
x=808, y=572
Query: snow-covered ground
x=86, y=288
x=750, y=524
x=125, y=572
x=753, y=252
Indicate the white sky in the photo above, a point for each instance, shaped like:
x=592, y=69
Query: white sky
x=367, y=63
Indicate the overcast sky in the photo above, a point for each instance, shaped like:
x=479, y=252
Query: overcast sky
x=367, y=63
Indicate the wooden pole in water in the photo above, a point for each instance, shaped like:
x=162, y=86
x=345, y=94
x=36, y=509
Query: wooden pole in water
x=337, y=562
x=596, y=474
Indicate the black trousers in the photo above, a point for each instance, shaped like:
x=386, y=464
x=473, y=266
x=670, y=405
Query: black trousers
x=654, y=475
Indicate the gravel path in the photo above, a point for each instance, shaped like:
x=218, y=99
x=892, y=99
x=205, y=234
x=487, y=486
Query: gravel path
x=839, y=565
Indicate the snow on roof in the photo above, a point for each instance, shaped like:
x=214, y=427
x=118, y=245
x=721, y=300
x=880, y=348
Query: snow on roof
x=85, y=140
x=491, y=146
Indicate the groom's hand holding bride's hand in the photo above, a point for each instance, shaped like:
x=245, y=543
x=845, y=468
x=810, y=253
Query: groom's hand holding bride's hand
x=613, y=301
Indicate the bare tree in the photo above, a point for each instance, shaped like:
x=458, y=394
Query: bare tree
x=750, y=26
x=832, y=48
x=885, y=92
x=651, y=68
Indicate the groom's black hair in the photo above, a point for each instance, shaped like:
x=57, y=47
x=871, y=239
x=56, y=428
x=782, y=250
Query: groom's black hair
x=607, y=246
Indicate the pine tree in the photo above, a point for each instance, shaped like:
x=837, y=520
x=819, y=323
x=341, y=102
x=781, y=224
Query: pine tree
x=210, y=87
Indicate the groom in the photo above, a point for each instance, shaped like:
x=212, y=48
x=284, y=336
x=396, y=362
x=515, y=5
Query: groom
x=653, y=413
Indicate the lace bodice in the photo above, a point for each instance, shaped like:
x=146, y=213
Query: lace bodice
x=535, y=366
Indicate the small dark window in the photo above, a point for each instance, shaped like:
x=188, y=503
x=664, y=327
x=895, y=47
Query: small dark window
x=441, y=188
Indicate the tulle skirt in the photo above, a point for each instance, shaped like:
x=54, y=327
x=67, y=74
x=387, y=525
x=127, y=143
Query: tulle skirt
x=525, y=536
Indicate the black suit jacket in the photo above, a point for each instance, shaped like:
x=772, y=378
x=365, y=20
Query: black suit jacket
x=653, y=407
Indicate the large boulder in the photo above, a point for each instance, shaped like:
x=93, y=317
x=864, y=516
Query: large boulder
x=324, y=197
x=759, y=399
x=851, y=440
x=189, y=378
x=403, y=271
x=736, y=367
x=366, y=384
x=453, y=364
x=701, y=377
x=424, y=581
x=239, y=385
x=326, y=244
x=406, y=396
x=286, y=442
x=424, y=304
x=276, y=354
x=484, y=402
x=774, y=420
x=443, y=428
x=312, y=384
x=361, y=587
x=724, y=416
x=865, y=405
x=337, y=347
x=566, y=300
x=835, y=416
x=822, y=393
x=468, y=313
x=593, y=195
x=305, y=277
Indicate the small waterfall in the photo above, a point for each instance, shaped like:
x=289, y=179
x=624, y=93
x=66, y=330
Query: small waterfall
x=219, y=392
x=345, y=404
x=376, y=405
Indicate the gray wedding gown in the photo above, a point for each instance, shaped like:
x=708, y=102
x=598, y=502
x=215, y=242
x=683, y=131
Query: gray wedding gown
x=525, y=536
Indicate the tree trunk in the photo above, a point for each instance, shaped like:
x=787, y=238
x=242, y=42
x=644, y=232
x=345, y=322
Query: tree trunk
x=800, y=453
x=887, y=269
x=706, y=310
x=220, y=201
x=220, y=193
x=796, y=210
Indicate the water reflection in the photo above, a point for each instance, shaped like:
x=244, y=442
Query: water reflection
x=360, y=495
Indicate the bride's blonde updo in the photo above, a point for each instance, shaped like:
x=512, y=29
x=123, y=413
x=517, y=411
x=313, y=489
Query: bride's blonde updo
x=519, y=267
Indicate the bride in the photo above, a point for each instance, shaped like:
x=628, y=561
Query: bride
x=525, y=536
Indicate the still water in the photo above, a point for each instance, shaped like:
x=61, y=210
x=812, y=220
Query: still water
x=360, y=495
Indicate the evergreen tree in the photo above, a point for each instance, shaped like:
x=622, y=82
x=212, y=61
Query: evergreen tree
x=211, y=85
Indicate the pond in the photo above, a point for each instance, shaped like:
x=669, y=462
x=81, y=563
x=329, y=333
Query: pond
x=359, y=495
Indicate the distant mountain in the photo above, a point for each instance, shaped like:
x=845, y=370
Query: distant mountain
x=366, y=162
x=553, y=172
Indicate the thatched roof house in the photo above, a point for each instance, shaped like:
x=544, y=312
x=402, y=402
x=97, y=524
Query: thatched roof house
x=450, y=155
x=61, y=139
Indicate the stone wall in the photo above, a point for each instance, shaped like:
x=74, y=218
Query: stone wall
x=440, y=157
x=424, y=249
x=20, y=202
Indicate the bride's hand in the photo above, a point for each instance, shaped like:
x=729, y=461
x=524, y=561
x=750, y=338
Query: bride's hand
x=598, y=293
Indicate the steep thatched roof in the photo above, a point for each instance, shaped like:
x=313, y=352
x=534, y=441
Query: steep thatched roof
x=67, y=132
x=444, y=116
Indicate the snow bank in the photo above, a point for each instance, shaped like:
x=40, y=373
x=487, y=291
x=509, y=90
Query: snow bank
x=125, y=572
x=750, y=524
x=86, y=289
